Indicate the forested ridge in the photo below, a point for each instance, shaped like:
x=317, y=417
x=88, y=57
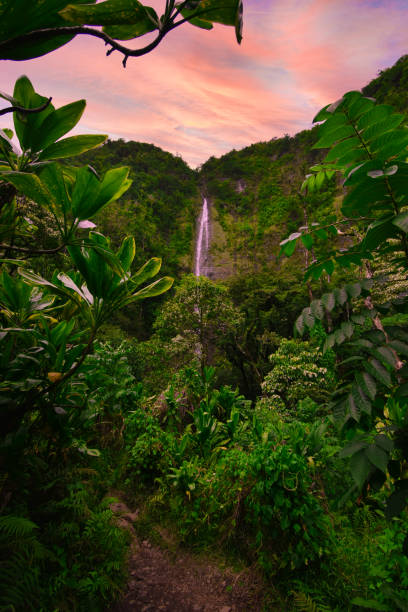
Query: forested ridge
x=256, y=421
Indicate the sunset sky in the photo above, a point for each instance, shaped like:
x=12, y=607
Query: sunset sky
x=201, y=94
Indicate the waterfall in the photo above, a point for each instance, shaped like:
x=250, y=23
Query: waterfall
x=201, y=267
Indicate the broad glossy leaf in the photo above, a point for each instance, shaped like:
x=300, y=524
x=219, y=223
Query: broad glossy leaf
x=74, y=145
x=359, y=107
x=307, y=240
x=108, y=13
x=113, y=185
x=364, y=196
x=343, y=147
x=40, y=44
x=329, y=266
x=126, y=253
x=379, y=232
x=148, y=22
x=27, y=126
x=52, y=177
x=289, y=248
x=84, y=194
x=70, y=284
x=57, y=124
x=147, y=271
x=375, y=131
x=377, y=114
x=322, y=115
x=32, y=187
x=196, y=21
x=35, y=279
x=19, y=17
x=337, y=134
x=157, y=288
x=390, y=144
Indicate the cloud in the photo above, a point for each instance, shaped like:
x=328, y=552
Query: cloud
x=200, y=94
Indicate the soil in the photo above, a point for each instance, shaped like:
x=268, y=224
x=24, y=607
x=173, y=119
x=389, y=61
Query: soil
x=177, y=581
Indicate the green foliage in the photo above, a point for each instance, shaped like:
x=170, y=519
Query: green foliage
x=368, y=146
x=296, y=375
x=387, y=87
x=304, y=603
x=197, y=321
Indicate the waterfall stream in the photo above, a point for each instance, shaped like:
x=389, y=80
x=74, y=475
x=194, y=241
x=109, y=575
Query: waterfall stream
x=201, y=261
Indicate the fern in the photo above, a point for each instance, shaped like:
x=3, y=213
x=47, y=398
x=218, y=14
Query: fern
x=16, y=526
x=305, y=603
x=21, y=554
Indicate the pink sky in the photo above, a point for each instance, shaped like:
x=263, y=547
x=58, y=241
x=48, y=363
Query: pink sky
x=200, y=94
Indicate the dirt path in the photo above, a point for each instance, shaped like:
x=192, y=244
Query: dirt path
x=178, y=582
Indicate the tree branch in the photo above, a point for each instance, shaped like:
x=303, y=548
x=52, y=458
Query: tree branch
x=32, y=37
x=25, y=111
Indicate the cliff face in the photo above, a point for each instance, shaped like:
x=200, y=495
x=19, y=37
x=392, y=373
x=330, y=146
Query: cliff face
x=253, y=194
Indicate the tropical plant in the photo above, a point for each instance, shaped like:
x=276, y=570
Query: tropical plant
x=368, y=146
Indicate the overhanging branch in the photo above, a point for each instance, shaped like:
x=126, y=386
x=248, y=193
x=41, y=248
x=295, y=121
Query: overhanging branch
x=25, y=111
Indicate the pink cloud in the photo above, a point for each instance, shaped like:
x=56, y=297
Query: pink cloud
x=200, y=94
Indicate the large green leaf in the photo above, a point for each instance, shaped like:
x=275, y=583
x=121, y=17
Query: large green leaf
x=338, y=133
x=379, y=231
x=108, y=13
x=57, y=124
x=346, y=146
x=373, y=116
x=84, y=193
x=113, y=185
x=227, y=12
x=157, y=288
x=74, y=145
x=32, y=187
x=148, y=270
x=126, y=253
x=148, y=22
x=19, y=17
x=27, y=125
x=52, y=177
x=37, y=45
